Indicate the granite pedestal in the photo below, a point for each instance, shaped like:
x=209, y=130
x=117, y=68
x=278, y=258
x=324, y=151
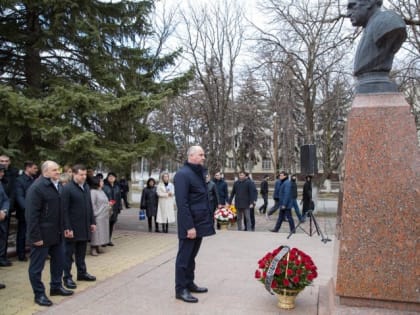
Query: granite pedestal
x=377, y=253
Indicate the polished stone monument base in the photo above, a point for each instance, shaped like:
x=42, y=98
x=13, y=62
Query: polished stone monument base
x=379, y=209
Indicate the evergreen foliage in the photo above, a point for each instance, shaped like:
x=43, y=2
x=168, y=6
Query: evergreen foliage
x=78, y=80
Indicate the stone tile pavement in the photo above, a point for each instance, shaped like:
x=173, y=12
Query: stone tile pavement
x=137, y=275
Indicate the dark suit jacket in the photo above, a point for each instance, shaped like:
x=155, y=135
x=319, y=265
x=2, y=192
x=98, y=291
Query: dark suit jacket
x=78, y=211
x=23, y=182
x=244, y=192
x=44, y=215
x=4, y=200
x=192, y=201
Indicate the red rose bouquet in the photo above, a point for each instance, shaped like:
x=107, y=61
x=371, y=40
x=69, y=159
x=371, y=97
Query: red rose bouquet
x=295, y=270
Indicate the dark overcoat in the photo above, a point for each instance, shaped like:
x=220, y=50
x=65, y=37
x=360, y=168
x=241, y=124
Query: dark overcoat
x=8, y=182
x=4, y=200
x=294, y=189
x=306, y=196
x=149, y=201
x=114, y=193
x=213, y=195
x=43, y=212
x=192, y=201
x=23, y=182
x=264, y=188
x=222, y=190
x=244, y=193
x=78, y=210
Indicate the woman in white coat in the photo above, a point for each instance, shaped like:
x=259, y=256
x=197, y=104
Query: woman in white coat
x=101, y=211
x=166, y=193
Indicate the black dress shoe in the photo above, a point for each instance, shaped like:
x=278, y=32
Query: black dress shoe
x=69, y=283
x=23, y=259
x=186, y=296
x=273, y=230
x=43, y=300
x=110, y=244
x=2, y=286
x=195, y=289
x=60, y=291
x=5, y=263
x=86, y=277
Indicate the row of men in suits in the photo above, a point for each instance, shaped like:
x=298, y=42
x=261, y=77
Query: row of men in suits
x=58, y=220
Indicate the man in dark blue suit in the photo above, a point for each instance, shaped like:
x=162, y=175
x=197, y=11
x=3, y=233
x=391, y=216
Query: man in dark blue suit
x=194, y=221
x=79, y=222
x=44, y=217
x=285, y=202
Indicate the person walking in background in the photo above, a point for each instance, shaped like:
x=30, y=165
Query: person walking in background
x=102, y=208
x=149, y=203
x=79, y=222
x=125, y=188
x=294, y=197
x=4, y=209
x=166, y=192
x=44, y=217
x=243, y=193
x=307, y=195
x=222, y=188
x=8, y=181
x=276, y=192
x=23, y=182
x=213, y=196
x=194, y=222
x=264, y=194
x=254, y=202
x=286, y=203
x=113, y=192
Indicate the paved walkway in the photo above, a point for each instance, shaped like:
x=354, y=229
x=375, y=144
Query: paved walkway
x=137, y=275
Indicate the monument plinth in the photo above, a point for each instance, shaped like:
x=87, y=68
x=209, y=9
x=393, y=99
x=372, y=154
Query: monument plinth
x=379, y=211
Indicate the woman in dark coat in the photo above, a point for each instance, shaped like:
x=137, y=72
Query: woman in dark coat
x=113, y=192
x=307, y=195
x=149, y=203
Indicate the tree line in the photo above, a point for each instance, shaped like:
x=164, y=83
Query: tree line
x=96, y=82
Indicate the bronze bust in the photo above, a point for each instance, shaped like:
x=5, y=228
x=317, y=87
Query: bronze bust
x=383, y=34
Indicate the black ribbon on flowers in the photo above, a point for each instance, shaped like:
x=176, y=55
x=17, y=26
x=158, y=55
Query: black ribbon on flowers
x=272, y=268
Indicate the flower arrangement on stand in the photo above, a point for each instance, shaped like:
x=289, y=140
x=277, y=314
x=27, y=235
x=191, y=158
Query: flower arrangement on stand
x=233, y=210
x=223, y=217
x=286, y=272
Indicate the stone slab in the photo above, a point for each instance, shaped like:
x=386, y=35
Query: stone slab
x=377, y=228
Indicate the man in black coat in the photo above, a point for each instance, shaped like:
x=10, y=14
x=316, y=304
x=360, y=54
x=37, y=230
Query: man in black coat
x=8, y=182
x=4, y=209
x=222, y=188
x=23, y=182
x=194, y=221
x=44, y=218
x=79, y=222
x=125, y=188
x=264, y=194
x=244, y=193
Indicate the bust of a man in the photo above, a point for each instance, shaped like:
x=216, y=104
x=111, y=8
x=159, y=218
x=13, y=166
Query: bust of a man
x=383, y=34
